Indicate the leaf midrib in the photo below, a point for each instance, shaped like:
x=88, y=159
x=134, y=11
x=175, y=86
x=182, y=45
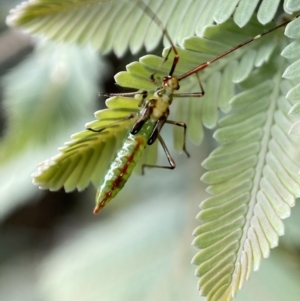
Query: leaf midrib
x=261, y=158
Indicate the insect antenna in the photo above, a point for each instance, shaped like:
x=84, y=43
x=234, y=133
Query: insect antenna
x=206, y=64
x=165, y=32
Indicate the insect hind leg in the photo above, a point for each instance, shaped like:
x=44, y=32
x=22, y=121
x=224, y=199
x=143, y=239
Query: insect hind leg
x=183, y=125
x=169, y=157
x=164, y=146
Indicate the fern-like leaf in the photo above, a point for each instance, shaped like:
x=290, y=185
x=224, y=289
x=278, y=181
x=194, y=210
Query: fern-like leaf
x=107, y=24
x=254, y=179
x=86, y=157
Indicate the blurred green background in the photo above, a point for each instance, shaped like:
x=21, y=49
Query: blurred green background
x=139, y=248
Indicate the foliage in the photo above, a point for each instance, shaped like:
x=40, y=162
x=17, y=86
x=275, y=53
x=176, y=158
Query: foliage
x=105, y=24
x=253, y=175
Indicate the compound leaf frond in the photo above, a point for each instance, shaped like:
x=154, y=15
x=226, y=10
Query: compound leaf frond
x=86, y=157
x=107, y=24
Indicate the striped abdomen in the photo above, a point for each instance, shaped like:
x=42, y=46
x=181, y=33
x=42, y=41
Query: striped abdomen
x=120, y=169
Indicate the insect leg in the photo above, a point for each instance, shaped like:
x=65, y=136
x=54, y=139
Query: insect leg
x=139, y=92
x=130, y=116
x=181, y=124
x=142, y=92
x=193, y=94
x=169, y=157
x=159, y=124
x=152, y=15
x=151, y=77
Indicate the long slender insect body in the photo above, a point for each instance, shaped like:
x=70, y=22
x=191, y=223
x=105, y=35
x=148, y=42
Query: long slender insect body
x=121, y=167
x=145, y=131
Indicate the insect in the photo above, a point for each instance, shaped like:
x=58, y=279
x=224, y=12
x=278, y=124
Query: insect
x=150, y=119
